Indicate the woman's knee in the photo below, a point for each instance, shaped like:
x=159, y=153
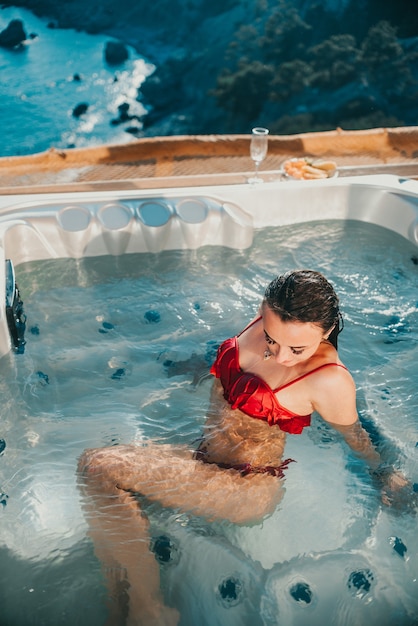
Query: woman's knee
x=106, y=468
x=93, y=459
x=97, y=465
x=88, y=461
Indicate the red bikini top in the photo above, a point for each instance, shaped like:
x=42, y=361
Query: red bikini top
x=252, y=395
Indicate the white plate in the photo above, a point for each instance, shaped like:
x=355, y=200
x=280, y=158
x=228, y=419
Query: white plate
x=330, y=173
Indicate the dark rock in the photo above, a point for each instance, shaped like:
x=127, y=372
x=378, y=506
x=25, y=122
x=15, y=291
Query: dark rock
x=124, y=111
x=115, y=53
x=80, y=109
x=183, y=99
x=125, y=116
x=13, y=35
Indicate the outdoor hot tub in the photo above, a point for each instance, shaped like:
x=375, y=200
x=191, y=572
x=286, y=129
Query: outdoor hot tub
x=57, y=225
x=108, y=300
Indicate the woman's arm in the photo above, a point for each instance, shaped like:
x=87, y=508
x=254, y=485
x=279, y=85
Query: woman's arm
x=359, y=441
x=396, y=490
x=336, y=403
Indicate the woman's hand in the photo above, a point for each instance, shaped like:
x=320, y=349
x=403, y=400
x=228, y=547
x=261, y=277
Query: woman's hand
x=396, y=490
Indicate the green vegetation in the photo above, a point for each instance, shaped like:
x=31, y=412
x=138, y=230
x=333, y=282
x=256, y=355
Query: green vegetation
x=290, y=74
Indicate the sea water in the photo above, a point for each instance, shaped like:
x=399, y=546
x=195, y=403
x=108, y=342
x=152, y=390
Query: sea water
x=118, y=350
x=49, y=75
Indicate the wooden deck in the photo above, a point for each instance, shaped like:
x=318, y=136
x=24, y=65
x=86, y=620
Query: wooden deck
x=180, y=161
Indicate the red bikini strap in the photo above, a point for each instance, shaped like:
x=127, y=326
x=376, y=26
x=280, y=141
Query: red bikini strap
x=320, y=367
x=257, y=319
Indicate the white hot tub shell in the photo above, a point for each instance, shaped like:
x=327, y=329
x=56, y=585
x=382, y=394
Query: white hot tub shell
x=61, y=225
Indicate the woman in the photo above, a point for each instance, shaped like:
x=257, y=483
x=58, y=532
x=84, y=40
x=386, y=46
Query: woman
x=268, y=381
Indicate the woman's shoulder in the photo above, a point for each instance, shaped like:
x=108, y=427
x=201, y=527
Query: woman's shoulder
x=328, y=374
x=251, y=326
x=333, y=394
x=333, y=373
x=328, y=367
x=248, y=341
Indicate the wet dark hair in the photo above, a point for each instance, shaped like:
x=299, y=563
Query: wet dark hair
x=306, y=296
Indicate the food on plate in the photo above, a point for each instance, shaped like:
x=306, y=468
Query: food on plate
x=308, y=169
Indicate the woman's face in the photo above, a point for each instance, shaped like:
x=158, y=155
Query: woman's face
x=290, y=343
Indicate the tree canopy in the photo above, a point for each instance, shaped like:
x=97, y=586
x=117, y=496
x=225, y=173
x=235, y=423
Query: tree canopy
x=282, y=73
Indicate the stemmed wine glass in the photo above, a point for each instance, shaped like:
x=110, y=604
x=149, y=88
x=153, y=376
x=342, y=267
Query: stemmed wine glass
x=258, y=150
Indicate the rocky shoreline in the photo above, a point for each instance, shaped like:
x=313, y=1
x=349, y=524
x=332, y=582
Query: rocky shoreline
x=188, y=41
x=170, y=36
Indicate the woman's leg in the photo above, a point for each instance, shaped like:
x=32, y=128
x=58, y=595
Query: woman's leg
x=170, y=475
x=122, y=544
x=110, y=478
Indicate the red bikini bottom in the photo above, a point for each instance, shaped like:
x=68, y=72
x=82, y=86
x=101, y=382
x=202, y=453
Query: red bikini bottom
x=246, y=468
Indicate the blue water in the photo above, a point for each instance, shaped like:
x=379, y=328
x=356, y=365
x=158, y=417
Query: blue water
x=38, y=92
x=100, y=369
